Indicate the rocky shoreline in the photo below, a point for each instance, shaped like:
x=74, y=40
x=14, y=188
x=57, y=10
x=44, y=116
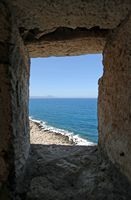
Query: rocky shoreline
x=40, y=136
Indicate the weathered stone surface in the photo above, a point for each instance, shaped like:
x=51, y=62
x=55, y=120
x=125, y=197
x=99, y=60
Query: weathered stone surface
x=72, y=172
x=67, y=42
x=48, y=15
x=115, y=98
x=14, y=78
x=68, y=27
x=19, y=71
x=6, y=149
x=38, y=18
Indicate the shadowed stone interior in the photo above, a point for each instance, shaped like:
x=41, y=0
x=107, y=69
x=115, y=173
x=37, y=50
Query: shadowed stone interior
x=58, y=28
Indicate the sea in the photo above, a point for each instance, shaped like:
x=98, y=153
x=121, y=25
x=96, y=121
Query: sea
x=74, y=117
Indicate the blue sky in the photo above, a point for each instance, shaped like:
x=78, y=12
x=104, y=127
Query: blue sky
x=72, y=76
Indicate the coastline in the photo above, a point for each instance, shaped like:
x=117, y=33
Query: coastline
x=40, y=133
x=40, y=136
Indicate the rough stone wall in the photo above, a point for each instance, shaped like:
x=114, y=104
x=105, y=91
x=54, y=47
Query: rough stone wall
x=37, y=20
x=6, y=146
x=66, y=42
x=48, y=15
x=14, y=83
x=19, y=76
x=114, y=87
x=114, y=107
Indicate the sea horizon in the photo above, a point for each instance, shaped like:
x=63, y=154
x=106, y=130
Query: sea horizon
x=53, y=97
x=77, y=116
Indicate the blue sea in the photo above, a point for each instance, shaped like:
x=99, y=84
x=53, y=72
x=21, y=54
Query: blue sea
x=72, y=116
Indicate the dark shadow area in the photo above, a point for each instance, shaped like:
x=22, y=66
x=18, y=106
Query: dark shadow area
x=61, y=172
x=62, y=33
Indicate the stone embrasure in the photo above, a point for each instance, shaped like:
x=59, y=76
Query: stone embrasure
x=68, y=27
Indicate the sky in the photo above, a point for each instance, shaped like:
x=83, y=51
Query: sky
x=66, y=77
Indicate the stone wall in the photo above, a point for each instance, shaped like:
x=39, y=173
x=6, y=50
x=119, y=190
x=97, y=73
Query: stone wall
x=43, y=24
x=14, y=84
x=115, y=98
x=19, y=75
x=6, y=145
x=66, y=42
x=114, y=87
